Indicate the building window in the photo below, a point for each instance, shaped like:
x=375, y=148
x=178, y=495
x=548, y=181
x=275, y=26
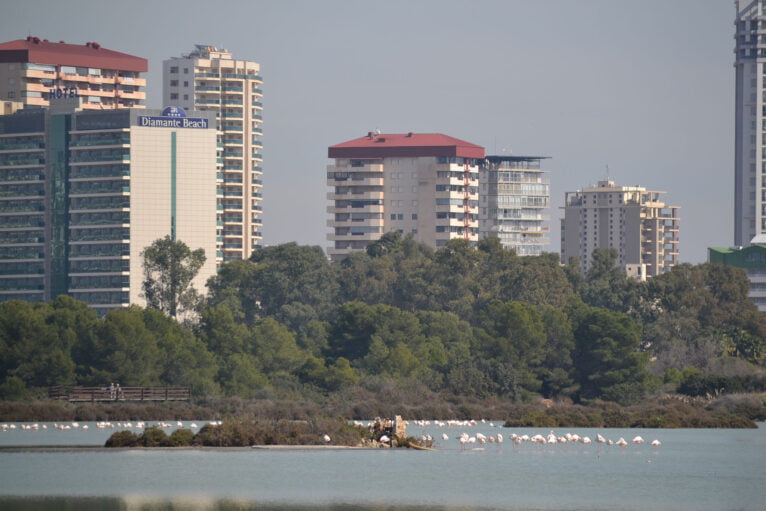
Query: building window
x=186, y=70
x=11, y=95
x=414, y=216
x=174, y=69
x=186, y=97
x=393, y=216
x=186, y=84
x=174, y=83
x=173, y=95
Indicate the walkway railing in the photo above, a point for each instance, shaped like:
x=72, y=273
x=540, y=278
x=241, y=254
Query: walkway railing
x=93, y=394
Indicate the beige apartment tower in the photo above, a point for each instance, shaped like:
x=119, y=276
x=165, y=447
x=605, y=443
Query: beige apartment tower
x=210, y=79
x=630, y=219
x=423, y=184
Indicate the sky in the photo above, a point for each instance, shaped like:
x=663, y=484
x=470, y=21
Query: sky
x=641, y=92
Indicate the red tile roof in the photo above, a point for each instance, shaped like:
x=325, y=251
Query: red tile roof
x=42, y=51
x=406, y=145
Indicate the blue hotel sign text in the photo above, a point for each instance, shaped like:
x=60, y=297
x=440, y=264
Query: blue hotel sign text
x=173, y=117
x=63, y=92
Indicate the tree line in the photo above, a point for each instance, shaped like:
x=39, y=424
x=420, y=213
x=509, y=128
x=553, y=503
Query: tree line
x=461, y=320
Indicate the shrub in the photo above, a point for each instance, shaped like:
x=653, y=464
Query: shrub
x=153, y=437
x=122, y=439
x=180, y=437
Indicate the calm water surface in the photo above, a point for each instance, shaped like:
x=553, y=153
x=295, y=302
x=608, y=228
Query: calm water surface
x=703, y=470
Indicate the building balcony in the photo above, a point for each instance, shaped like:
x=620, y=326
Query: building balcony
x=356, y=196
x=128, y=80
x=368, y=208
x=38, y=73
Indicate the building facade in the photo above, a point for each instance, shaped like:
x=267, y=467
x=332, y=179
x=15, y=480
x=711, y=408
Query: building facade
x=34, y=70
x=84, y=192
x=630, y=219
x=514, y=197
x=750, y=121
x=423, y=184
x=752, y=259
x=209, y=79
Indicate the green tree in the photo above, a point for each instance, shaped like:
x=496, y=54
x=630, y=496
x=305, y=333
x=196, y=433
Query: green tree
x=169, y=268
x=607, y=360
x=126, y=350
x=512, y=333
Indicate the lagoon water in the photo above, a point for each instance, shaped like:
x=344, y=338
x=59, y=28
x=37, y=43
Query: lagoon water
x=700, y=470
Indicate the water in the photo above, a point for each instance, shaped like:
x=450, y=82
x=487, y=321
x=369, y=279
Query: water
x=701, y=470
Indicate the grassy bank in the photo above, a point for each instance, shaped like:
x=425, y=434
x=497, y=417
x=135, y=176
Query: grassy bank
x=728, y=411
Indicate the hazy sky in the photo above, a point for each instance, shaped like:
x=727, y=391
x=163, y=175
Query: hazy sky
x=644, y=87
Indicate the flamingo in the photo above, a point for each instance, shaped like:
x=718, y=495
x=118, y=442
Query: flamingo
x=638, y=440
x=656, y=442
x=600, y=439
x=326, y=438
x=621, y=442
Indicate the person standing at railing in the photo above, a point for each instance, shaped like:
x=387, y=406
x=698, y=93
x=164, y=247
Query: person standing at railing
x=119, y=392
x=111, y=391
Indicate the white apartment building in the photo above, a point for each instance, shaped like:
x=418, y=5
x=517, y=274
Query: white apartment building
x=210, y=79
x=424, y=184
x=36, y=72
x=630, y=219
x=750, y=121
x=514, y=196
x=83, y=192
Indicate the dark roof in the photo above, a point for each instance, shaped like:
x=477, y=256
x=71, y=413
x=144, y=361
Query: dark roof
x=42, y=51
x=406, y=145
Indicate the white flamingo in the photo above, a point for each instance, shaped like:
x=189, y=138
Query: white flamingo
x=656, y=442
x=638, y=440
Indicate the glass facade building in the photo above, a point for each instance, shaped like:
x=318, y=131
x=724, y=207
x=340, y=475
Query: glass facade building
x=83, y=192
x=514, y=198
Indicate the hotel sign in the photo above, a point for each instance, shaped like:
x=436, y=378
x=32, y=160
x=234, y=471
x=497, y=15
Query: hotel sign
x=63, y=92
x=173, y=117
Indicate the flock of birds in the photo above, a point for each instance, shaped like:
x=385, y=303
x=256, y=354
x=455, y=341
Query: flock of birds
x=102, y=425
x=478, y=439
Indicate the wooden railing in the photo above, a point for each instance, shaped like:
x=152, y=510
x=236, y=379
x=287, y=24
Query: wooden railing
x=93, y=394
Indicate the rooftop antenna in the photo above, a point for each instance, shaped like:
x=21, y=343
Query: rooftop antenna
x=607, y=172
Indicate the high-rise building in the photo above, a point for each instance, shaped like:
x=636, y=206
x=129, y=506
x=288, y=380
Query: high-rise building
x=421, y=183
x=513, y=199
x=34, y=70
x=209, y=79
x=750, y=121
x=630, y=219
x=84, y=192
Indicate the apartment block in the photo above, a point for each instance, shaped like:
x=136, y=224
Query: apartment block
x=209, y=79
x=83, y=192
x=34, y=71
x=426, y=184
x=630, y=219
x=514, y=197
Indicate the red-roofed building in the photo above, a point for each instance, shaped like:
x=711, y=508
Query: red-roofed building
x=424, y=184
x=35, y=70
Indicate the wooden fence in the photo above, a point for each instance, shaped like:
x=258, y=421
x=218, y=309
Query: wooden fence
x=101, y=394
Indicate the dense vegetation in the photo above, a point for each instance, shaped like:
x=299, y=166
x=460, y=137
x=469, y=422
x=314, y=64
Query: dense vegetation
x=460, y=323
x=246, y=433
